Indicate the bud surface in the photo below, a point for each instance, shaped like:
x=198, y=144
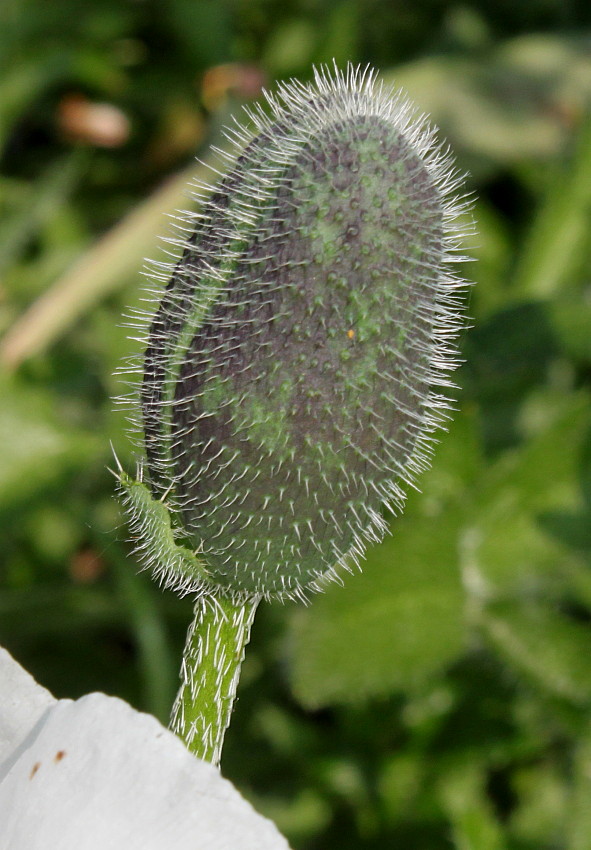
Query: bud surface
x=291, y=374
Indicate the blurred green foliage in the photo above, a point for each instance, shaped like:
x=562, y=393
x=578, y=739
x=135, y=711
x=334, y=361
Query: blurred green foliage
x=442, y=698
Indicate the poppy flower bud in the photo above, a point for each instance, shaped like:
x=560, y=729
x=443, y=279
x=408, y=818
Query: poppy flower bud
x=292, y=374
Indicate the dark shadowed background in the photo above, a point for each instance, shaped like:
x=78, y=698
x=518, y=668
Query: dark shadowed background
x=443, y=698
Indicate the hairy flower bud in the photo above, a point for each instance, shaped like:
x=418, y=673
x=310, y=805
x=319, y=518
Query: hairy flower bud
x=290, y=377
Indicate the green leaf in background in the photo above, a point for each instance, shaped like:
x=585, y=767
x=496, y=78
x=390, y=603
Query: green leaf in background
x=474, y=824
x=579, y=811
x=389, y=628
x=506, y=545
x=558, y=243
x=402, y=619
x=535, y=640
x=543, y=814
x=507, y=103
x=36, y=443
x=570, y=319
x=35, y=206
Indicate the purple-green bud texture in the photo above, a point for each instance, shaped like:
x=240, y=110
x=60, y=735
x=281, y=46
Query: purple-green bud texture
x=294, y=362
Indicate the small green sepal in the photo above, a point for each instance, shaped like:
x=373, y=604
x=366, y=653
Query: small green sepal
x=155, y=537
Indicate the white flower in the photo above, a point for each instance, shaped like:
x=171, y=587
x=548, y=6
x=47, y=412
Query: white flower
x=94, y=773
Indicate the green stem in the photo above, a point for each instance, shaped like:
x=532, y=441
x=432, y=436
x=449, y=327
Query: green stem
x=210, y=671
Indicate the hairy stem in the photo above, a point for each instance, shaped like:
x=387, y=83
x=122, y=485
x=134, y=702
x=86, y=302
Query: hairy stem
x=210, y=671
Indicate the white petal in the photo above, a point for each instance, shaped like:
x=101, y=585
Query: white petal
x=97, y=775
x=22, y=703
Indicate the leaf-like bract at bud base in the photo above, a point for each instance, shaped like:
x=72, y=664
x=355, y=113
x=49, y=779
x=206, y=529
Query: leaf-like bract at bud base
x=289, y=388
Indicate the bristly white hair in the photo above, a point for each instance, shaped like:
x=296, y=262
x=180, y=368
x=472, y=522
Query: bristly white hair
x=290, y=385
